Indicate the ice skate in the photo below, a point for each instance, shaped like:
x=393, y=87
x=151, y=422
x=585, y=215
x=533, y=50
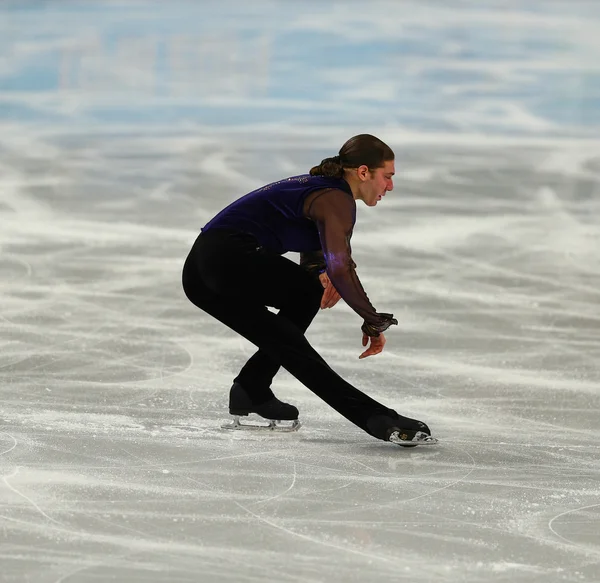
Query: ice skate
x=400, y=430
x=273, y=412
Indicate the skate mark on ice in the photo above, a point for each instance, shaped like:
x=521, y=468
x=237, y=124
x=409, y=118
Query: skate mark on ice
x=423, y=387
x=512, y=272
x=414, y=479
x=15, y=442
x=333, y=489
x=343, y=473
x=358, y=476
x=375, y=472
x=29, y=524
x=461, y=479
x=288, y=489
x=20, y=261
x=314, y=540
x=32, y=502
x=348, y=460
x=158, y=465
x=584, y=548
x=281, y=528
x=108, y=561
x=458, y=442
x=50, y=348
x=289, y=531
x=117, y=525
x=162, y=546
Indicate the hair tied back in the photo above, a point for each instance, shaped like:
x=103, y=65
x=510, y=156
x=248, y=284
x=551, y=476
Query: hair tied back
x=331, y=167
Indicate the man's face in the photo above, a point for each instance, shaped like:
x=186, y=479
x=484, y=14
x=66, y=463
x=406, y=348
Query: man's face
x=377, y=183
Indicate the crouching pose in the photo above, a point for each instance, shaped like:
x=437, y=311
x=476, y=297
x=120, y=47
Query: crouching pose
x=235, y=269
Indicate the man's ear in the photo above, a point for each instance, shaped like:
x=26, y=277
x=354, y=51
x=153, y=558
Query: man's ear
x=363, y=172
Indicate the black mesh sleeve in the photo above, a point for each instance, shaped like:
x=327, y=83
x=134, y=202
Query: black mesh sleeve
x=334, y=212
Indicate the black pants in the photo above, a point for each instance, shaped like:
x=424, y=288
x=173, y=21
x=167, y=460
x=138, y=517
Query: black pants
x=231, y=278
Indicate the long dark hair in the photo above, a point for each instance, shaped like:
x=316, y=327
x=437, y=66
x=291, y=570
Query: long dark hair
x=360, y=150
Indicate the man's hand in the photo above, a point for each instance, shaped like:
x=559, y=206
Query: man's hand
x=330, y=296
x=377, y=344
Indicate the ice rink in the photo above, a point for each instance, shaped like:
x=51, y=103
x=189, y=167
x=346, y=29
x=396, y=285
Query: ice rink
x=125, y=126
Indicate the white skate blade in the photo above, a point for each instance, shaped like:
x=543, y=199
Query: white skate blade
x=420, y=438
x=271, y=425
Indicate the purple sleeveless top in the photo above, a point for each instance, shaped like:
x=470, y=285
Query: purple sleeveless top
x=274, y=213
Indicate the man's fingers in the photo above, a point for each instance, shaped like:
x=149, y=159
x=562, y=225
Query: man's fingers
x=375, y=347
x=369, y=352
x=366, y=353
x=326, y=299
x=335, y=298
x=330, y=297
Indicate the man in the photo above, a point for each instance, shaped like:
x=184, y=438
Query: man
x=235, y=270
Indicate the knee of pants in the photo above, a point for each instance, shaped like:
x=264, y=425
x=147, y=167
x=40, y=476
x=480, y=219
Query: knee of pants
x=309, y=291
x=193, y=286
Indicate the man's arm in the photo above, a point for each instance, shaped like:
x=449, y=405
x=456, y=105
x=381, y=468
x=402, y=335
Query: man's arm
x=334, y=212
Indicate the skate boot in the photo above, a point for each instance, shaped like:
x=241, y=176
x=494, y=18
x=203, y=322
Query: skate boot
x=400, y=430
x=273, y=410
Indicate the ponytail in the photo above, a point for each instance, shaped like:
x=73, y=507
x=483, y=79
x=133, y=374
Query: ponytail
x=330, y=167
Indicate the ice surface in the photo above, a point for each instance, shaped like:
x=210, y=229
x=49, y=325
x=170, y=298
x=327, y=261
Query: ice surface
x=124, y=126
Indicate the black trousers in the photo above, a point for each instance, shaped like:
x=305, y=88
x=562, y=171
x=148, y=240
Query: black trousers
x=230, y=277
